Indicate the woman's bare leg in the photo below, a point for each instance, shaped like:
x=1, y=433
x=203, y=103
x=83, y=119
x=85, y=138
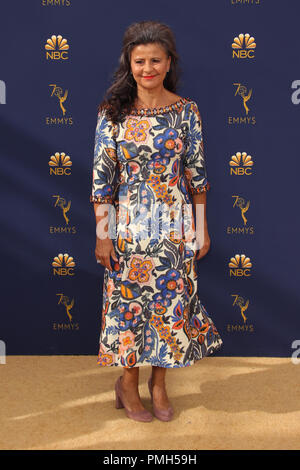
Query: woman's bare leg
x=130, y=389
x=160, y=396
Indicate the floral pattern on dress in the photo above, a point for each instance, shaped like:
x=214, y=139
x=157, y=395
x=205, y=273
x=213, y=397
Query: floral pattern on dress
x=147, y=168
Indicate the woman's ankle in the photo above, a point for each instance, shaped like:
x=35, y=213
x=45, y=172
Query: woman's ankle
x=129, y=383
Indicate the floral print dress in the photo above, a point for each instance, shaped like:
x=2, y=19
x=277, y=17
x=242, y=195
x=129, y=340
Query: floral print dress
x=146, y=169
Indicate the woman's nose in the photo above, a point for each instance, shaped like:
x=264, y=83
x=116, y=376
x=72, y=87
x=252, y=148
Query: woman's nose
x=147, y=68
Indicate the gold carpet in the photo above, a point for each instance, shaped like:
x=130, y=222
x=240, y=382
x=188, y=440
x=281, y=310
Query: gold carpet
x=67, y=402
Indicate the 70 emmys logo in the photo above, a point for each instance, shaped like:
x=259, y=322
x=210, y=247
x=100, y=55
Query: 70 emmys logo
x=2, y=92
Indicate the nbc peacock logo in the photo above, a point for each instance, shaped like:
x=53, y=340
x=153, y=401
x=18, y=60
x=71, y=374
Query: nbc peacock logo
x=60, y=164
x=240, y=266
x=63, y=265
x=57, y=48
x=241, y=164
x=243, y=47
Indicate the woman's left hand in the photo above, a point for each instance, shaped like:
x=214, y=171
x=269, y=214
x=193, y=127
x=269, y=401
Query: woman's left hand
x=206, y=246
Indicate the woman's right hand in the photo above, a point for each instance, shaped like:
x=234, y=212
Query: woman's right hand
x=104, y=250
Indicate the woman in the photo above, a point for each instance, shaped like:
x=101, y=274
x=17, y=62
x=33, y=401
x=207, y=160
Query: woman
x=149, y=166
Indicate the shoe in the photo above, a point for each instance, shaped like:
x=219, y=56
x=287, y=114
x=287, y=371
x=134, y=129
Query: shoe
x=162, y=414
x=143, y=415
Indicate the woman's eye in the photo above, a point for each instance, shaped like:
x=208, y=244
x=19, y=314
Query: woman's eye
x=139, y=61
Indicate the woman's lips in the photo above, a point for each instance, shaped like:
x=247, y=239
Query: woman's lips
x=149, y=76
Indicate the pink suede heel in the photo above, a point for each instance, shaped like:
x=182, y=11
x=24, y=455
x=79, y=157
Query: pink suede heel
x=143, y=415
x=163, y=415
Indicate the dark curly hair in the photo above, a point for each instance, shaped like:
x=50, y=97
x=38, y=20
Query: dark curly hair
x=119, y=98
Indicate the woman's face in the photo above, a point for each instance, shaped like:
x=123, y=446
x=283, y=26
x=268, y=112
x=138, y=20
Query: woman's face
x=149, y=65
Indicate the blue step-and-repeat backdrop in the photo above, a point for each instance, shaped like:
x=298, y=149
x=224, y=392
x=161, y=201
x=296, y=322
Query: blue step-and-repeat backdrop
x=240, y=63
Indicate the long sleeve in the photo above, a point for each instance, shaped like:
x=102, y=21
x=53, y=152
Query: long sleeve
x=194, y=161
x=105, y=161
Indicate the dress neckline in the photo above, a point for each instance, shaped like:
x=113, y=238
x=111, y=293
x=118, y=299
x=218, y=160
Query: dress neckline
x=176, y=106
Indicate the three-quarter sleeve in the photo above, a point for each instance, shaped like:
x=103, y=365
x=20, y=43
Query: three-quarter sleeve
x=105, y=161
x=194, y=160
